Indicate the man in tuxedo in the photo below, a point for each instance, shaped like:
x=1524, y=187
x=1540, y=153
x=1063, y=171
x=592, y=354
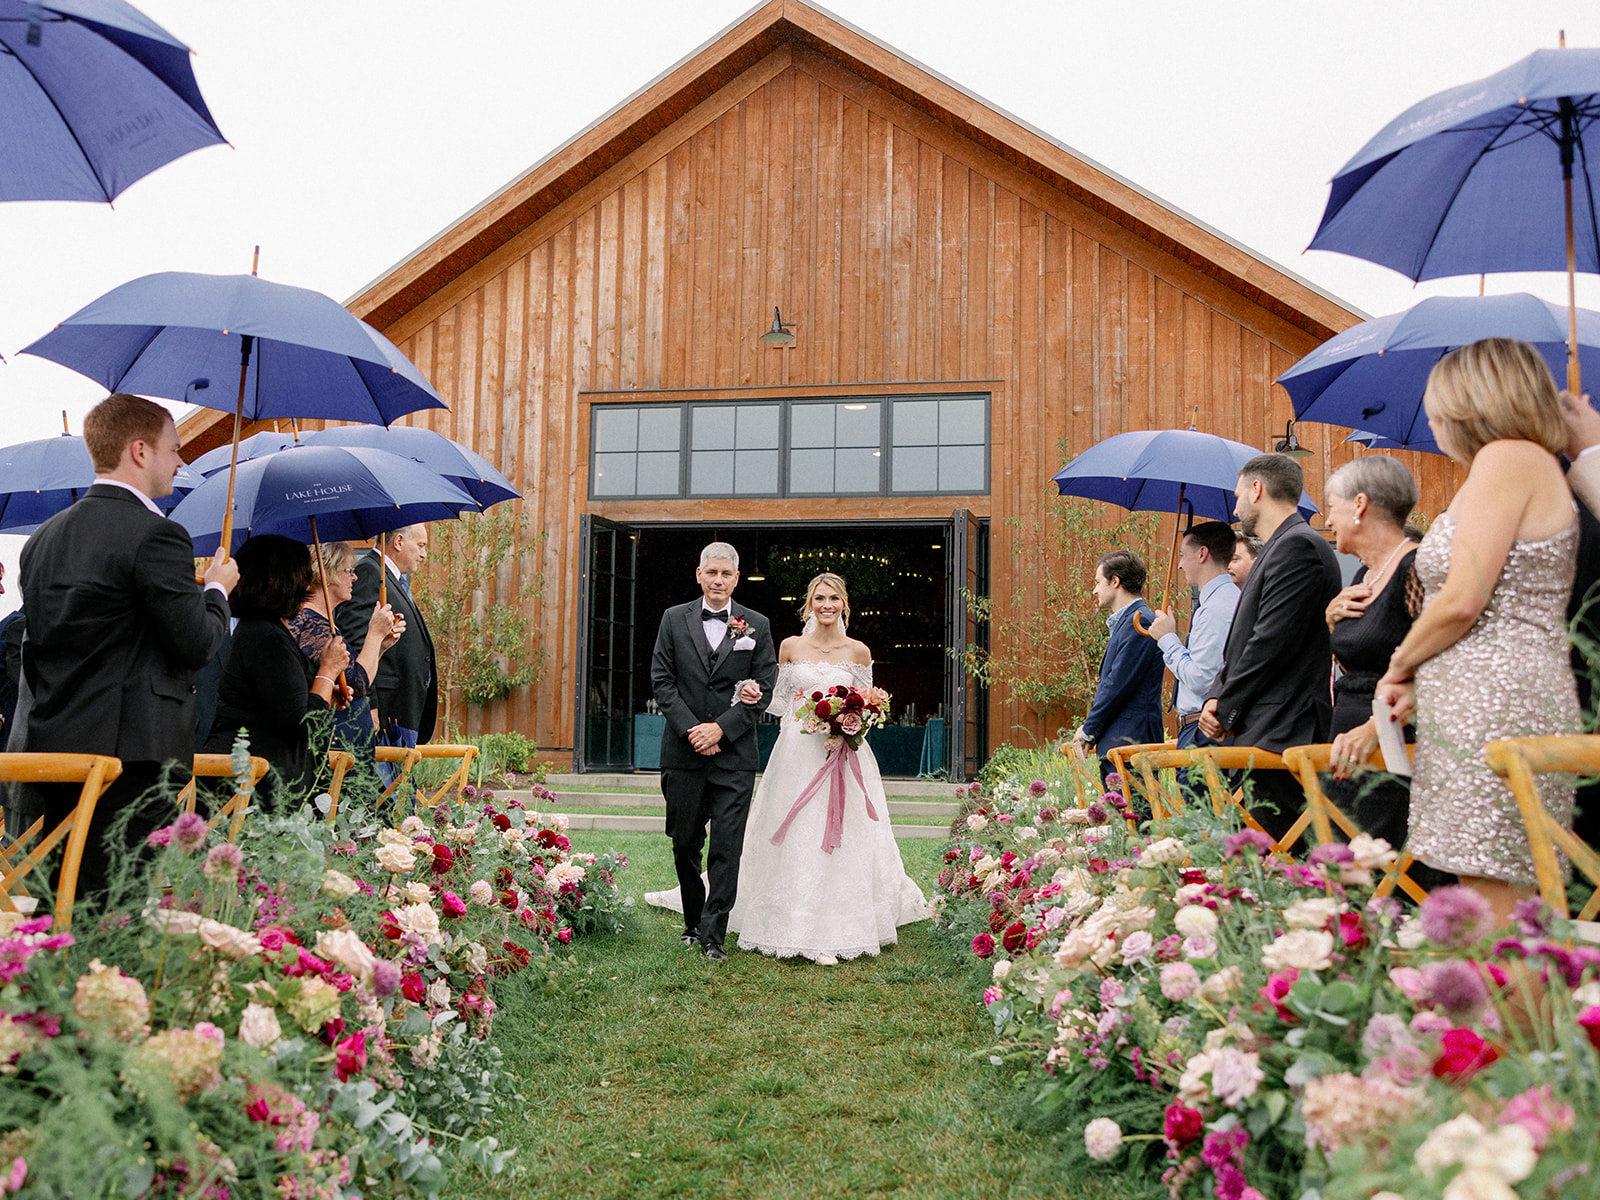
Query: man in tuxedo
x=405, y=693
x=1273, y=691
x=704, y=650
x=116, y=623
x=1127, y=702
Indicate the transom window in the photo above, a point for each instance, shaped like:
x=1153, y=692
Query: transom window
x=867, y=446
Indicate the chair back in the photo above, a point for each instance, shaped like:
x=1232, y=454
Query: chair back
x=457, y=779
x=96, y=772
x=406, y=756
x=1121, y=759
x=340, y=761
x=220, y=766
x=1517, y=761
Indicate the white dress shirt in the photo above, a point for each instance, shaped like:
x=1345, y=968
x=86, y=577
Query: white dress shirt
x=716, y=630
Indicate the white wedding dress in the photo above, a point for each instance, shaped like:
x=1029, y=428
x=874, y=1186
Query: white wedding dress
x=794, y=899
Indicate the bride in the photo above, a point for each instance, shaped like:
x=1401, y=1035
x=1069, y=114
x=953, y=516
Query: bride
x=795, y=899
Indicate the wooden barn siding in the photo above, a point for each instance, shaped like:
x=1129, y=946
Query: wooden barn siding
x=901, y=252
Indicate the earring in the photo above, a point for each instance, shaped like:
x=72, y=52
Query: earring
x=1358, y=520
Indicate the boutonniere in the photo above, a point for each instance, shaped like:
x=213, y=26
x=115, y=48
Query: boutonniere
x=737, y=626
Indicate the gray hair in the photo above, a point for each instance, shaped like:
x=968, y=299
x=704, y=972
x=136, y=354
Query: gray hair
x=719, y=550
x=1383, y=480
x=387, y=539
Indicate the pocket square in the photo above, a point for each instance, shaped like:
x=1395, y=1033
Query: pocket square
x=745, y=643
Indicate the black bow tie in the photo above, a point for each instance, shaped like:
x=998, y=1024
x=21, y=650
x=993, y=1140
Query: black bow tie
x=707, y=615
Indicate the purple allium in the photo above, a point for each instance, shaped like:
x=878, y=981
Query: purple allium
x=468, y=791
x=1037, y=787
x=222, y=864
x=159, y=837
x=385, y=978
x=1532, y=917
x=1098, y=815
x=1457, y=990
x=1236, y=845
x=1114, y=781
x=1455, y=917
x=1047, y=814
x=189, y=832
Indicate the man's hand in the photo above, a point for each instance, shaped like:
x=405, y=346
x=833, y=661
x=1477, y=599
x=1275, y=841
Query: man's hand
x=223, y=570
x=1209, y=725
x=1163, y=624
x=1583, y=423
x=705, y=737
x=1080, y=745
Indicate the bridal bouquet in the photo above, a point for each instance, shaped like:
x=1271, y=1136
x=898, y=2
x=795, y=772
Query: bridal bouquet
x=843, y=712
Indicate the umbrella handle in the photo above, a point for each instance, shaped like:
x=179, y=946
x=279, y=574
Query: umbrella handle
x=1172, y=557
x=246, y=341
x=339, y=685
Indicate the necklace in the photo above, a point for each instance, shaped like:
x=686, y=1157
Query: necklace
x=1404, y=542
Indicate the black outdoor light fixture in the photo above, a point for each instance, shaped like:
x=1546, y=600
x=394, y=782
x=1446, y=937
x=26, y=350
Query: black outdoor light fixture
x=779, y=334
x=1290, y=445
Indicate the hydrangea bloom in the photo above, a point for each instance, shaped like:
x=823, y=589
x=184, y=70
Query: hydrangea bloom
x=1344, y=1110
x=114, y=1003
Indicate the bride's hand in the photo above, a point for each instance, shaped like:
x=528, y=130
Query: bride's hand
x=750, y=692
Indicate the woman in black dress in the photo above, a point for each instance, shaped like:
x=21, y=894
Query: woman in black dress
x=269, y=688
x=1369, y=501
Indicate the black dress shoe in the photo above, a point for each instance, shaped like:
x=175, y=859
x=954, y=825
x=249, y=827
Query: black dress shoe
x=690, y=939
x=716, y=953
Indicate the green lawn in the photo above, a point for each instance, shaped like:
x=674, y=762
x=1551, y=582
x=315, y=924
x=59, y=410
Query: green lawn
x=655, y=1073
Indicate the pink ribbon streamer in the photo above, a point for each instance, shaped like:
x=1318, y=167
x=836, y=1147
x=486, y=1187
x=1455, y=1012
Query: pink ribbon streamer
x=832, y=773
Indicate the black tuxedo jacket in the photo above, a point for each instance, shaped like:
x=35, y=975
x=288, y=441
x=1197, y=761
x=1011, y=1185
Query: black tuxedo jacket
x=115, y=624
x=692, y=688
x=406, y=688
x=1274, y=690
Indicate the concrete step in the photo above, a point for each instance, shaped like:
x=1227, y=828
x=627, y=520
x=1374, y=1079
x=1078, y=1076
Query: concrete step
x=650, y=781
x=618, y=823
x=581, y=800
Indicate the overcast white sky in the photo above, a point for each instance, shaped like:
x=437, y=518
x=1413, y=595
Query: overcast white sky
x=361, y=128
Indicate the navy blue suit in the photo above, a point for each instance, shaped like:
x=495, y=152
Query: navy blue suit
x=1127, y=702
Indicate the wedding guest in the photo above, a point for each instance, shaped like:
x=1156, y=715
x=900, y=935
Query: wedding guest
x=334, y=564
x=1127, y=702
x=1272, y=691
x=1368, y=503
x=1245, y=551
x=1583, y=608
x=269, y=687
x=1206, y=551
x=1487, y=657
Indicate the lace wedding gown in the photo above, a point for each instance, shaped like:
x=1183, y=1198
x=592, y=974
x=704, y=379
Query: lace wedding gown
x=794, y=899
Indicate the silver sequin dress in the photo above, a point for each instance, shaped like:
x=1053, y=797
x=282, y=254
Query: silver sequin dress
x=1508, y=676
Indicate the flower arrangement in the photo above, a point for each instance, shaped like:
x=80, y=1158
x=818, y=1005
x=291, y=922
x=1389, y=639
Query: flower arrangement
x=308, y=1013
x=1236, y=1024
x=842, y=712
x=737, y=627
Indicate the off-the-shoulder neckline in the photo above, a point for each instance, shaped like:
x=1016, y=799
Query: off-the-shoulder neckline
x=822, y=662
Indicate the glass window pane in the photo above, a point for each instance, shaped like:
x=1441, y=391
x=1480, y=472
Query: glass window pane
x=658, y=473
x=758, y=427
x=916, y=468
x=856, y=470
x=810, y=472
x=961, y=468
x=916, y=423
x=756, y=473
x=615, y=428
x=711, y=473
x=961, y=423
x=859, y=425
x=659, y=427
x=811, y=425
x=713, y=428
x=614, y=474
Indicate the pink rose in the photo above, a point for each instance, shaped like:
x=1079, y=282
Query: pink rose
x=850, y=723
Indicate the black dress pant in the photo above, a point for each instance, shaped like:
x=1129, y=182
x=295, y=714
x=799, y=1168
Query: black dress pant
x=694, y=797
x=100, y=860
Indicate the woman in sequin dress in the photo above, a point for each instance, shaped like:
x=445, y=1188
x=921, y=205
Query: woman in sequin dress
x=1488, y=658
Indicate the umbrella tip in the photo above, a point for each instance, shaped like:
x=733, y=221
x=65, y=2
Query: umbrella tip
x=1563, y=39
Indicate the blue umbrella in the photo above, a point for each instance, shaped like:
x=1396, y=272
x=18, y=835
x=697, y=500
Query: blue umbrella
x=43, y=477
x=463, y=467
x=93, y=96
x=311, y=492
x=298, y=352
x=256, y=445
x=1464, y=183
x=1372, y=376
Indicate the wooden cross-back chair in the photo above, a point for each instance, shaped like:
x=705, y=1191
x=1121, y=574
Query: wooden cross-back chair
x=220, y=766
x=1310, y=762
x=1517, y=760
x=96, y=772
x=340, y=762
x=457, y=779
x=1121, y=759
x=406, y=757
x=1212, y=762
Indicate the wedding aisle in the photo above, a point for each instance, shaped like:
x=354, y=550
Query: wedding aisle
x=649, y=1072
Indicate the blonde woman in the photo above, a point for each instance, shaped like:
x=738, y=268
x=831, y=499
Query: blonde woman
x=1487, y=657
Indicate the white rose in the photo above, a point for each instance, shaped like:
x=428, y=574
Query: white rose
x=258, y=1026
x=1311, y=913
x=173, y=921
x=1194, y=921
x=1508, y=1151
x=1102, y=1138
x=1449, y=1143
x=1302, y=949
x=413, y=826
x=228, y=940
x=339, y=885
x=1479, y=1183
x=393, y=837
x=1002, y=968
x=348, y=950
x=476, y=958
x=564, y=873
x=439, y=994
x=1222, y=986
x=417, y=893
x=396, y=858
x=1167, y=850
x=1371, y=854
x=977, y=822
x=419, y=919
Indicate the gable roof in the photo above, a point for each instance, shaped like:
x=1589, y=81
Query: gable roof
x=747, y=41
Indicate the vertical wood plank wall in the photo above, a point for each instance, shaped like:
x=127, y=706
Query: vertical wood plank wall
x=901, y=251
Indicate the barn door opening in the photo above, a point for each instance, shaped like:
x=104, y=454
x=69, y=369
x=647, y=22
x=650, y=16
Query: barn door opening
x=607, y=603
x=966, y=702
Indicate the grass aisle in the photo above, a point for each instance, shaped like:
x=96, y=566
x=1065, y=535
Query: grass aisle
x=653, y=1072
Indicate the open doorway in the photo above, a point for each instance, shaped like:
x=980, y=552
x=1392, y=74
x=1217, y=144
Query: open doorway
x=904, y=583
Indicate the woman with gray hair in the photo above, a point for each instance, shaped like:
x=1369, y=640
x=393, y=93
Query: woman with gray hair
x=1368, y=503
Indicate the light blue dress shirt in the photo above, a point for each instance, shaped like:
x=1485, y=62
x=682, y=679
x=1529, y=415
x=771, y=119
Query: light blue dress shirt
x=1196, y=665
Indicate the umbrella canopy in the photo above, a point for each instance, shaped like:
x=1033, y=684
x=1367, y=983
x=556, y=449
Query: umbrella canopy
x=1372, y=376
x=347, y=493
x=43, y=477
x=1468, y=181
x=308, y=356
x=1152, y=470
x=93, y=96
x=257, y=445
x=470, y=471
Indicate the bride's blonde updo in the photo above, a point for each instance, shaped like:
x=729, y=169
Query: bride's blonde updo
x=837, y=584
